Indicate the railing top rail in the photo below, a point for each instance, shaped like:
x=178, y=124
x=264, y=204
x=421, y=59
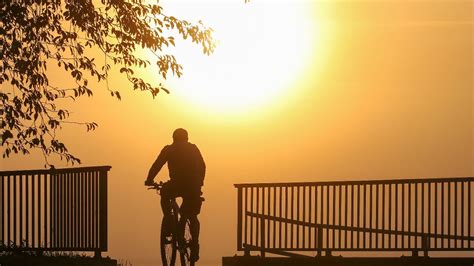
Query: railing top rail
x=359, y=182
x=56, y=171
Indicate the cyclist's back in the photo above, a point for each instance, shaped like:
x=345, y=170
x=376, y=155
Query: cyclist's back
x=185, y=163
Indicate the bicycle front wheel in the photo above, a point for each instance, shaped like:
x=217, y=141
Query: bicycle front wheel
x=168, y=242
x=186, y=245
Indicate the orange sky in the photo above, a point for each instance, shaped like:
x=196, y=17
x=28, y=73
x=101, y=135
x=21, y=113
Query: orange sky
x=389, y=94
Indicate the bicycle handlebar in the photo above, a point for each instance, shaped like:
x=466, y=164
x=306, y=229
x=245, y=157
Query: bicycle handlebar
x=156, y=186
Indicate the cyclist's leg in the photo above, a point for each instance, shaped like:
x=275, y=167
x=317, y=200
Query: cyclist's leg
x=190, y=209
x=181, y=226
x=195, y=228
x=183, y=235
x=168, y=192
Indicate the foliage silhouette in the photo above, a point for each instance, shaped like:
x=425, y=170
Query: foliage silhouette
x=35, y=34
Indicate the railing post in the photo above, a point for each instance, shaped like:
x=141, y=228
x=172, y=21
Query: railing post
x=262, y=236
x=239, y=218
x=425, y=244
x=247, y=252
x=319, y=240
x=103, y=212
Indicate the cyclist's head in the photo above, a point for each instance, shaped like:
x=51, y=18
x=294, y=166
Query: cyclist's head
x=180, y=135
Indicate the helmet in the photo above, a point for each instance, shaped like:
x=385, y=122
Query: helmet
x=180, y=135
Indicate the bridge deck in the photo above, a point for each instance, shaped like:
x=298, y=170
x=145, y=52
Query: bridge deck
x=343, y=261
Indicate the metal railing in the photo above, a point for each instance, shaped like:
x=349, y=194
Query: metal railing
x=386, y=215
x=54, y=210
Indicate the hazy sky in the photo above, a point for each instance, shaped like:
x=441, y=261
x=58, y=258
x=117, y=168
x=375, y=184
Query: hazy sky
x=385, y=91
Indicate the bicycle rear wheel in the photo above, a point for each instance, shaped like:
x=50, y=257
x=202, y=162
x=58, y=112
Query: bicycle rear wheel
x=168, y=241
x=186, y=249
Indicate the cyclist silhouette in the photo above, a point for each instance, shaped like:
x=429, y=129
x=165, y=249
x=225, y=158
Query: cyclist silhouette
x=186, y=171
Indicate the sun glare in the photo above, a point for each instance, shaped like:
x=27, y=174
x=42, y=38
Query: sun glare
x=262, y=49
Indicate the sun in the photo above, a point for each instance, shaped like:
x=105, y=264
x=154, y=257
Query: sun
x=262, y=49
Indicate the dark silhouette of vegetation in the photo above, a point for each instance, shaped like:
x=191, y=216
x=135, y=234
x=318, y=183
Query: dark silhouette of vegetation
x=49, y=258
x=36, y=35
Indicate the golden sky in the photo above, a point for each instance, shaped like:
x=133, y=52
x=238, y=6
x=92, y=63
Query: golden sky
x=359, y=90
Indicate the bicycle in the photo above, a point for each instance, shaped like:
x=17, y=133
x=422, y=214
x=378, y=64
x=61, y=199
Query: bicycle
x=170, y=241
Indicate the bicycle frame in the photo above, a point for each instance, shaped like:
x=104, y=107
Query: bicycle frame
x=178, y=241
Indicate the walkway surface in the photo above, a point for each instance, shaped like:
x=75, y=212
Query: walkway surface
x=341, y=261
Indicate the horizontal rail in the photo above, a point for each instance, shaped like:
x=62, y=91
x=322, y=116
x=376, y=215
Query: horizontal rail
x=358, y=182
x=357, y=229
x=55, y=170
x=293, y=251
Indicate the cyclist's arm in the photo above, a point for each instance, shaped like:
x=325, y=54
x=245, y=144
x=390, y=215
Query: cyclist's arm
x=158, y=164
x=201, y=166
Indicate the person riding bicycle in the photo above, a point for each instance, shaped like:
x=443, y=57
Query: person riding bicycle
x=186, y=171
